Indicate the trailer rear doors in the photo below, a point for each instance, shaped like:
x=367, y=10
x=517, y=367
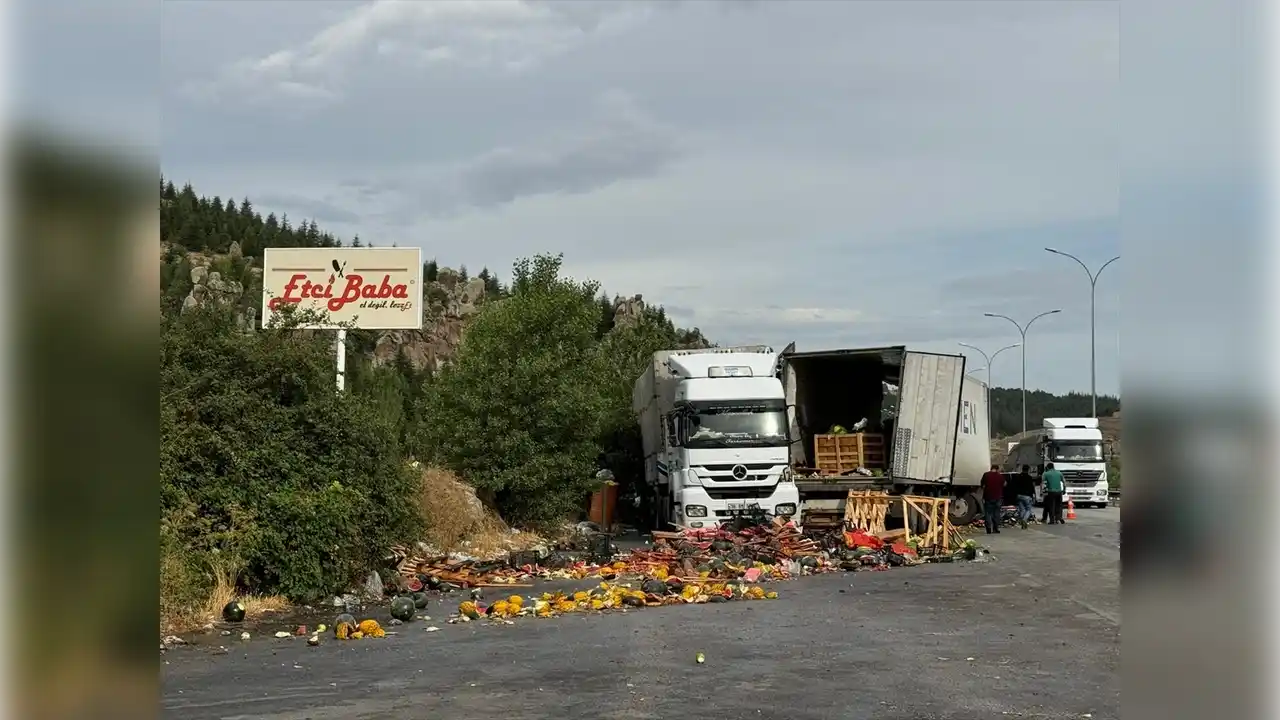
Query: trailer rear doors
x=924, y=439
x=927, y=413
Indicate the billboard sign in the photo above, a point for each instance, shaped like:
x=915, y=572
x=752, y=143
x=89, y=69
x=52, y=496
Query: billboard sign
x=370, y=288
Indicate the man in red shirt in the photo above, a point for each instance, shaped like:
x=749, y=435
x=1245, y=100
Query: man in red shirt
x=992, y=498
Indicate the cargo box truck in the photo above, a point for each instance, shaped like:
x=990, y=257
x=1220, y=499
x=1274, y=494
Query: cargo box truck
x=929, y=415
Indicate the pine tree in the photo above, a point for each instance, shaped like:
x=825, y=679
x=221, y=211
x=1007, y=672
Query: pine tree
x=430, y=270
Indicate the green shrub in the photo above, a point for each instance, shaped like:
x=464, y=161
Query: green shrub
x=519, y=410
x=261, y=457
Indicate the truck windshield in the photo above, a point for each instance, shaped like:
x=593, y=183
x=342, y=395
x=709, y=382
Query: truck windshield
x=1076, y=451
x=737, y=424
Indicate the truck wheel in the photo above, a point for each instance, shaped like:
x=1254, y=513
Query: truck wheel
x=963, y=510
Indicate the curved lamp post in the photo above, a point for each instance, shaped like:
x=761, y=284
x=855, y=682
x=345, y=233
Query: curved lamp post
x=1022, y=330
x=990, y=361
x=1093, y=335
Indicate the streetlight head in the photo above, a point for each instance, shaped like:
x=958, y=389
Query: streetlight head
x=1056, y=252
x=989, y=314
x=1052, y=312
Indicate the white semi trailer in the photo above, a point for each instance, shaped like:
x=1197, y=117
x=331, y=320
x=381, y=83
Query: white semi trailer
x=932, y=415
x=1075, y=447
x=713, y=424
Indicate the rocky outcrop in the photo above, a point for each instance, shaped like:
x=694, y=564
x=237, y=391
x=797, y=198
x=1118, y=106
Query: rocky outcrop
x=449, y=303
x=627, y=312
x=208, y=286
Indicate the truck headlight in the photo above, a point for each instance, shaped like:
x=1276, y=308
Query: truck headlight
x=787, y=509
x=695, y=510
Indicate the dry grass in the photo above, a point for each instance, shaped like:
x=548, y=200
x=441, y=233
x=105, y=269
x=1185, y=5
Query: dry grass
x=255, y=606
x=179, y=619
x=457, y=521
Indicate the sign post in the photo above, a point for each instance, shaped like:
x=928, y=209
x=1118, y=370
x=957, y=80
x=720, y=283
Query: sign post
x=363, y=288
x=342, y=359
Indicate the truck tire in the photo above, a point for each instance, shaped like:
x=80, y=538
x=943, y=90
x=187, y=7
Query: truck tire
x=975, y=498
x=964, y=509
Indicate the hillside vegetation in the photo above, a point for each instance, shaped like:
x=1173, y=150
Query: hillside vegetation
x=1006, y=408
x=273, y=484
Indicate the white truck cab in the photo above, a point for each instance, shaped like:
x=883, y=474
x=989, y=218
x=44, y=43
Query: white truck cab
x=714, y=427
x=1075, y=447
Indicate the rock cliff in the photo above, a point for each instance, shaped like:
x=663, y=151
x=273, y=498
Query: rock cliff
x=449, y=302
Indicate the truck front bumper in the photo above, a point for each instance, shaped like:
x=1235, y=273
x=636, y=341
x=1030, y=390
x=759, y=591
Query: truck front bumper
x=699, y=510
x=1091, y=495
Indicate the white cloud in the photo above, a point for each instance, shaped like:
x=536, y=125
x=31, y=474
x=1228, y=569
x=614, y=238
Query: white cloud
x=503, y=35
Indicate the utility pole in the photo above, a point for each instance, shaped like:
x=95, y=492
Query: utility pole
x=1022, y=330
x=1093, y=332
x=990, y=360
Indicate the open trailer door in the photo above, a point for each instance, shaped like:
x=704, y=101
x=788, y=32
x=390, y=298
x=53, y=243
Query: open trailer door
x=924, y=438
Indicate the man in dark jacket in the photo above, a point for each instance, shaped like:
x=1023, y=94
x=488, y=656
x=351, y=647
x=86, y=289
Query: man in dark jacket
x=992, y=498
x=1024, y=487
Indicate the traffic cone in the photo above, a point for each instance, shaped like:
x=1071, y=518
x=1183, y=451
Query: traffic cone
x=1071, y=509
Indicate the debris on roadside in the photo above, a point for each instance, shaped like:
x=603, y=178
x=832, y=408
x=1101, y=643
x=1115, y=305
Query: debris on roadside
x=345, y=627
x=691, y=565
x=611, y=596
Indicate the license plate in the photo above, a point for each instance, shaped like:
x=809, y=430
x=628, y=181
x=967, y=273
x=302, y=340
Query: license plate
x=737, y=506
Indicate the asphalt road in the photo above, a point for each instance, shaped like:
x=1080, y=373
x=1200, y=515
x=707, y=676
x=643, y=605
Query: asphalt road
x=1033, y=633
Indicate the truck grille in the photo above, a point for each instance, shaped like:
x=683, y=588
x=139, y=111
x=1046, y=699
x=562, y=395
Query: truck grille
x=729, y=468
x=754, y=493
x=1079, y=475
x=724, y=473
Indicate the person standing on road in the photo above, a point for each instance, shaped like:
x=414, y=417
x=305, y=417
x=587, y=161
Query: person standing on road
x=1054, y=487
x=1024, y=487
x=992, y=498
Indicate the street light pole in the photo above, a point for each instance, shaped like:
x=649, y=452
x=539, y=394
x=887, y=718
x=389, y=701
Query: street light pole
x=1022, y=330
x=990, y=360
x=1093, y=334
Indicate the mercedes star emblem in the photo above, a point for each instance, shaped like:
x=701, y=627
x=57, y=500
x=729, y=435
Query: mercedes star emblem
x=739, y=472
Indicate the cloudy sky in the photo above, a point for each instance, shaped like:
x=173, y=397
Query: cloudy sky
x=834, y=173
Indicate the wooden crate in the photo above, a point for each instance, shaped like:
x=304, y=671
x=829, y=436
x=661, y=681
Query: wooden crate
x=865, y=510
x=845, y=453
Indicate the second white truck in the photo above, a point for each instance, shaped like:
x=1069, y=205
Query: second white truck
x=1075, y=447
